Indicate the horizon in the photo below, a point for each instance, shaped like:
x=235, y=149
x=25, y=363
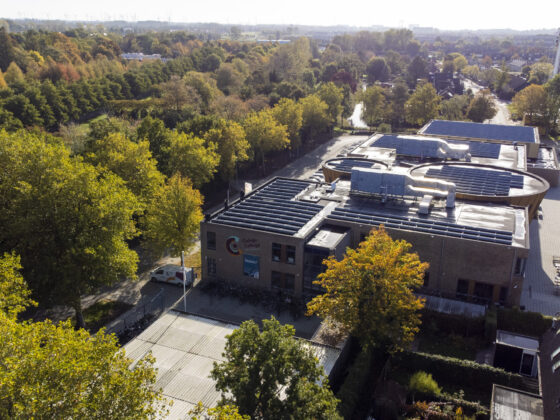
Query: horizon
x=478, y=16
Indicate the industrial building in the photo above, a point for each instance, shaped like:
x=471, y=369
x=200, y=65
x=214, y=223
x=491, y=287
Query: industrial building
x=465, y=206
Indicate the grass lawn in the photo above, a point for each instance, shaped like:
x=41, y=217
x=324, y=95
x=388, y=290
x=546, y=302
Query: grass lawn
x=103, y=312
x=450, y=345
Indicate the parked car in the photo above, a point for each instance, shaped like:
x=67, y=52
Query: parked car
x=172, y=274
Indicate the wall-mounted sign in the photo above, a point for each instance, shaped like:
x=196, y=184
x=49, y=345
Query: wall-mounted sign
x=232, y=245
x=250, y=244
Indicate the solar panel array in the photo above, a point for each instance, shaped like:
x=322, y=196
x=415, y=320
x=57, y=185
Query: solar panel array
x=434, y=227
x=478, y=181
x=407, y=146
x=272, y=209
x=482, y=131
x=484, y=150
x=346, y=165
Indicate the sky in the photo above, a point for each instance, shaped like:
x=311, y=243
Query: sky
x=442, y=14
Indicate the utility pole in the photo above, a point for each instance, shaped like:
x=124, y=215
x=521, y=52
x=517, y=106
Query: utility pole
x=184, y=281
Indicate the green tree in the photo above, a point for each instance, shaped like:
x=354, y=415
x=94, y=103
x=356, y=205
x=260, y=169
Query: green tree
x=13, y=74
x=377, y=69
x=176, y=94
x=231, y=145
x=416, y=70
x=192, y=158
x=272, y=375
x=423, y=105
x=3, y=84
x=481, y=107
x=23, y=110
x=173, y=216
x=221, y=412
x=265, y=134
x=454, y=109
x=290, y=113
x=67, y=221
x=370, y=292
x=373, y=110
x=540, y=72
x=315, y=117
x=459, y=62
x=14, y=293
x=553, y=93
x=132, y=161
x=531, y=101
x=423, y=383
x=332, y=95
x=7, y=49
x=159, y=137
x=399, y=95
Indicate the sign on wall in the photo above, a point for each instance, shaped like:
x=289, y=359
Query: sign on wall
x=236, y=246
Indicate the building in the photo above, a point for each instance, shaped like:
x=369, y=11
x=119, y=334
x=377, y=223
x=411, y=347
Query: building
x=464, y=204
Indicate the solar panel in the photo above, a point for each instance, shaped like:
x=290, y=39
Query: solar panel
x=436, y=227
x=272, y=209
x=346, y=165
x=481, y=131
x=484, y=150
x=478, y=181
x=407, y=146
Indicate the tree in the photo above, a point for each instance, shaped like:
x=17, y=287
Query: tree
x=416, y=70
x=13, y=74
x=290, y=113
x=221, y=412
x=175, y=93
x=423, y=105
x=377, y=69
x=454, y=109
x=332, y=95
x=459, y=62
x=481, y=107
x=153, y=130
x=374, y=105
x=531, y=101
x=67, y=221
x=553, y=93
x=399, y=96
x=192, y=158
x=315, y=117
x=22, y=109
x=272, y=375
x=423, y=383
x=540, y=72
x=231, y=144
x=3, y=84
x=370, y=292
x=7, y=49
x=54, y=371
x=265, y=134
x=173, y=216
x=129, y=160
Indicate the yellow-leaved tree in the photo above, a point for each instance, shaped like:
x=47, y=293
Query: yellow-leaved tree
x=370, y=292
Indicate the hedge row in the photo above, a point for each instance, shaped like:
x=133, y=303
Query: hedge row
x=459, y=372
x=527, y=323
x=452, y=324
x=351, y=391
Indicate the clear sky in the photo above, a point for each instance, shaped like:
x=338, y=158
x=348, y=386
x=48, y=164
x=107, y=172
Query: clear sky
x=443, y=14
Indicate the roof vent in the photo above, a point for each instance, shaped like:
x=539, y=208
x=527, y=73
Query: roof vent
x=424, y=207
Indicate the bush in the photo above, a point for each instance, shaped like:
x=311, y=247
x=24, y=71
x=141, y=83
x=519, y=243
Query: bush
x=448, y=370
x=423, y=383
x=521, y=322
x=490, y=324
x=351, y=390
x=452, y=324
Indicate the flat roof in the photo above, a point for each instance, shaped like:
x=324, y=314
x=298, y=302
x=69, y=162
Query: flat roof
x=327, y=237
x=499, y=132
x=510, y=403
x=517, y=340
x=185, y=348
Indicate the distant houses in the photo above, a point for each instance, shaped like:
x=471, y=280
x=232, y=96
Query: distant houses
x=141, y=56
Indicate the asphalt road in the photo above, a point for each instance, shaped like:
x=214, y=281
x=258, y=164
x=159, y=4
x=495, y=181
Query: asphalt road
x=502, y=115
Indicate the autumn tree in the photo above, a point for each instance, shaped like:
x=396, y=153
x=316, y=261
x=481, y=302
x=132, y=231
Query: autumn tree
x=221, y=412
x=159, y=137
x=272, y=375
x=173, y=217
x=373, y=110
x=290, y=113
x=50, y=371
x=531, y=101
x=68, y=221
x=265, y=134
x=481, y=107
x=176, y=94
x=332, y=95
x=315, y=117
x=423, y=105
x=370, y=291
x=13, y=74
x=231, y=145
x=192, y=158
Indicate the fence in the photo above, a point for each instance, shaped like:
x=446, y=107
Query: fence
x=151, y=309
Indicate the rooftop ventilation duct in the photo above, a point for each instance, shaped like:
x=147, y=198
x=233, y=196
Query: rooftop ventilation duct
x=425, y=147
x=389, y=184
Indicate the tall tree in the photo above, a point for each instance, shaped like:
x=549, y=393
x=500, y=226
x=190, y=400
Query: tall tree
x=290, y=113
x=231, y=145
x=315, y=117
x=423, y=105
x=272, y=375
x=531, y=101
x=377, y=69
x=192, y=158
x=370, y=291
x=7, y=49
x=265, y=134
x=173, y=217
x=373, y=110
x=13, y=74
x=553, y=93
x=416, y=70
x=331, y=95
x=481, y=107
x=68, y=221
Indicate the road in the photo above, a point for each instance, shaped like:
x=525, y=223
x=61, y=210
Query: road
x=502, y=115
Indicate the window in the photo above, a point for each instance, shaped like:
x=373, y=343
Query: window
x=520, y=266
x=276, y=279
x=251, y=266
x=211, y=265
x=462, y=288
x=211, y=240
x=483, y=292
x=276, y=252
x=289, y=281
x=290, y=254
x=426, y=279
x=503, y=294
x=159, y=272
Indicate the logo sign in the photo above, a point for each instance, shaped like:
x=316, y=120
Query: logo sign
x=250, y=244
x=232, y=245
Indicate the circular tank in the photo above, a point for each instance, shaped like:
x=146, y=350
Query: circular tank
x=341, y=167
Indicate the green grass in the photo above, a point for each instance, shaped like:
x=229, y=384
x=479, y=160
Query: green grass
x=85, y=125
x=450, y=345
x=103, y=312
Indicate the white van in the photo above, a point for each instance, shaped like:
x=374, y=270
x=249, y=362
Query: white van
x=172, y=274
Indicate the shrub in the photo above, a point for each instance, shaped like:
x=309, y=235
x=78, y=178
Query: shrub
x=423, y=383
x=490, y=324
x=521, y=322
x=351, y=390
x=452, y=324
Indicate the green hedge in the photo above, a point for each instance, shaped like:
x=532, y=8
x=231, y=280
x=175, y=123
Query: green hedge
x=527, y=323
x=452, y=324
x=459, y=372
x=351, y=391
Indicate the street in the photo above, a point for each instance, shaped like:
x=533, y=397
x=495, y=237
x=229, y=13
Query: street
x=502, y=115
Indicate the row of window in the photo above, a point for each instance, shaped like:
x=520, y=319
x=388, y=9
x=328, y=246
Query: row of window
x=482, y=292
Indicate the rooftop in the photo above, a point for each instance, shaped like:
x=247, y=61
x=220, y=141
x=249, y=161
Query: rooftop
x=510, y=403
x=498, y=132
